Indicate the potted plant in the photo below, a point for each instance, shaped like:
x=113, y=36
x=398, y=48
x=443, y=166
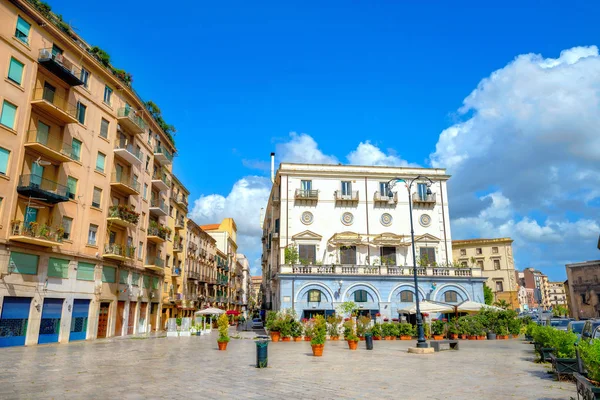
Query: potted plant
x=286, y=328
x=308, y=330
x=386, y=331
x=426, y=330
x=376, y=331
x=437, y=328
x=319, y=332
x=589, y=386
x=453, y=330
x=350, y=336
x=501, y=332
x=362, y=324
x=463, y=327
x=272, y=324
x=296, y=330
x=514, y=327
x=333, y=323
x=223, y=332
x=406, y=331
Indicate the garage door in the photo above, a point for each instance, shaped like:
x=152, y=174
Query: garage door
x=50, y=324
x=79, y=320
x=13, y=321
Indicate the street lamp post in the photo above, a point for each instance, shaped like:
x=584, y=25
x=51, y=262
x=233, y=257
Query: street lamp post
x=421, y=342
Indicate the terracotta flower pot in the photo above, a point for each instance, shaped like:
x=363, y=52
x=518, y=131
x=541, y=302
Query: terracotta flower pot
x=472, y=337
x=515, y=336
x=438, y=337
x=222, y=345
x=361, y=338
x=481, y=337
x=405, y=337
x=297, y=339
x=376, y=337
x=286, y=339
x=334, y=338
x=463, y=336
x=352, y=344
x=275, y=336
x=317, y=349
x=388, y=338
x=307, y=338
x=453, y=336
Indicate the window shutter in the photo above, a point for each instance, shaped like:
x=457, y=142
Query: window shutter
x=15, y=71
x=154, y=282
x=9, y=112
x=23, y=26
x=57, y=267
x=4, y=160
x=109, y=274
x=85, y=271
x=123, y=275
x=100, y=162
x=23, y=263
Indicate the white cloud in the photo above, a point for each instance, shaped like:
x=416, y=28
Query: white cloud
x=368, y=154
x=302, y=148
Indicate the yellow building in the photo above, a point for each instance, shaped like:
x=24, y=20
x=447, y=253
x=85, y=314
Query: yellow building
x=495, y=258
x=85, y=171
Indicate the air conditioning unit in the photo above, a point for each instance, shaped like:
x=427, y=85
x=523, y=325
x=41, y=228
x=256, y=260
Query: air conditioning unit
x=45, y=54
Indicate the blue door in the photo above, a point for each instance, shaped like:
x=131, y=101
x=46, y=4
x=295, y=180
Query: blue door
x=79, y=320
x=13, y=322
x=50, y=325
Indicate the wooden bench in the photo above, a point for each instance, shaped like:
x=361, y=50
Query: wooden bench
x=442, y=345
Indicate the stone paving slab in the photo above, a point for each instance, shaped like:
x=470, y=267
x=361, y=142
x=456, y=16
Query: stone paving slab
x=192, y=367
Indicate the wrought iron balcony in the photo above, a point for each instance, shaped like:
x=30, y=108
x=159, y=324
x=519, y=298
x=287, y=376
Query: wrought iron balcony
x=157, y=234
x=123, y=216
x=129, y=118
x=118, y=252
x=55, y=105
x=43, y=189
x=389, y=198
x=60, y=66
x=155, y=263
x=378, y=270
x=302, y=194
x=49, y=145
x=125, y=184
x=127, y=152
x=37, y=234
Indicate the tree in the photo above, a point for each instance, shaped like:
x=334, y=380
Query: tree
x=488, y=295
x=559, y=311
x=155, y=112
x=502, y=304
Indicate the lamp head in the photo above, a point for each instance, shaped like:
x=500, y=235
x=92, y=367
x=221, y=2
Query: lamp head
x=428, y=191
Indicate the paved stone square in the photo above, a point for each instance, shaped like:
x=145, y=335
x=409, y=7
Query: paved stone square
x=193, y=368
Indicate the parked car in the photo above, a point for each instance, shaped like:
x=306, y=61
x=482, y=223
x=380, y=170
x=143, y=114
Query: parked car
x=588, y=329
x=560, y=323
x=596, y=334
x=576, y=327
x=257, y=323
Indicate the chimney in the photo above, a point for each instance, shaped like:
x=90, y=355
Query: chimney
x=272, y=167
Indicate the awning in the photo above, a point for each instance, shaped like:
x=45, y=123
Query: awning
x=473, y=306
x=233, y=312
x=345, y=239
x=390, y=239
x=428, y=307
x=210, y=311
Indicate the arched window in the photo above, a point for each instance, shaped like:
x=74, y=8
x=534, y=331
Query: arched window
x=314, y=296
x=407, y=296
x=360, y=296
x=451, y=296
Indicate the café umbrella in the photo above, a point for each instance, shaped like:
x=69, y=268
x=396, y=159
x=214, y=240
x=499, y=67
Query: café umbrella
x=427, y=307
x=209, y=311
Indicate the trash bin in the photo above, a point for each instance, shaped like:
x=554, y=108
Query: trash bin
x=369, y=341
x=262, y=345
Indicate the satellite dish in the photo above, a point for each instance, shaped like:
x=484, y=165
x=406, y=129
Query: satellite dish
x=42, y=163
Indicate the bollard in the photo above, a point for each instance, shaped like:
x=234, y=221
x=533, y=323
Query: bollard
x=369, y=341
x=261, y=353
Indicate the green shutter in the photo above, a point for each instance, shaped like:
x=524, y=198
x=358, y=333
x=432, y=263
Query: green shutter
x=72, y=185
x=59, y=268
x=15, y=71
x=23, y=28
x=109, y=274
x=85, y=271
x=146, y=282
x=75, y=149
x=23, y=263
x=9, y=112
x=4, y=160
x=123, y=275
x=135, y=279
x=100, y=162
x=154, y=282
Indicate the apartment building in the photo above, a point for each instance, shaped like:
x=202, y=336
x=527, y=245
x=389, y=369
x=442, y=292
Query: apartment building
x=584, y=289
x=495, y=259
x=255, y=298
x=336, y=233
x=85, y=229
x=557, y=295
x=536, y=280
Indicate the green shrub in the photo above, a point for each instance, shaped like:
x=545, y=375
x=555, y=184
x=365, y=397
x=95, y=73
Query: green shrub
x=223, y=324
x=296, y=329
x=543, y=335
x=563, y=343
x=271, y=320
x=406, y=329
x=590, y=354
x=395, y=330
x=438, y=327
x=376, y=330
x=514, y=326
x=319, y=330
x=386, y=329
x=362, y=324
x=349, y=331
x=333, y=325
x=530, y=329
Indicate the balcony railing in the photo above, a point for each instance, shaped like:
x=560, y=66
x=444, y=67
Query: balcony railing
x=41, y=188
x=133, y=154
x=341, y=196
x=390, y=198
x=377, y=270
x=158, y=175
x=162, y=154
x=49, y=145
x=119, y=250
x=60, y=66
x=155, y=261
x=160, y=231
x=180, y=223
x=126, y=181
x=178, y=246
x=55, y=105
x=302, y=194
x=159, y=204
x=34, y=233
x=424, y=199
x=124, y=214
x=129, y=117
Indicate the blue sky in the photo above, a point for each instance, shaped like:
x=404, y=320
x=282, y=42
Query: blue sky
x=236, y=78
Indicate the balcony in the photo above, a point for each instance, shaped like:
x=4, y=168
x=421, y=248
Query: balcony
x=364, y=270
x=60, y=66
x=129, y=119
x=179, y=223
x=49, y=102
x=118, y=252
x=160, y=180
x=158, y=233
x=127, y=152
x=49, y=146
x=43, y=189
x=176, y=272
x=158, y=207
x=34, y=233
x=426, y=199
x=193, y=275
x=154, y=263
x=348, y=198
x=122, y=216
x=311, y=195
x=125, y=184
x=162, y=155
x=390, y=199
x=180, y=199
x=177, y=247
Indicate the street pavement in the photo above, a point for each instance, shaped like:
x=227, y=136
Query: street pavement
x=193, y=368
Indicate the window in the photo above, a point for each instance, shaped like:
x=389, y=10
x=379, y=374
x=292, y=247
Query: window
x=8, y=115
x=58, y=268
x=104, y=128
x=67, y=223
x=451, y=296
x=143, y=221
x=107, y=95
x=15, y=71
x=85, y=271
x=499, y=286
x=146, y=281
x=97, y=197
x=76, y=149
x=72, y=186
x=480, y=264
x=496, y=264
x=135, y=181
x=314, y=296
x=422, y=190
x=135, y=278
x=22, y=31
x=360, y=296
x=168, y=260
x=427, y=255
x=348, y=255
x=307, y=253
x=109, y=274
x=3, y=160
x=92, y=234
x=154, y=282
x=463, y=252
x=23, y=263
x=84, y=77
x=494, y=250
x=123, y=275
x=346, y=188
x=100, y=160
x=306, y=185
x=388, y=256
x=147, y=162
x=150, y=136
x=478, y=250
x=140, y=250
x=384, y=190
x=81, y=109
x=406, y=296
